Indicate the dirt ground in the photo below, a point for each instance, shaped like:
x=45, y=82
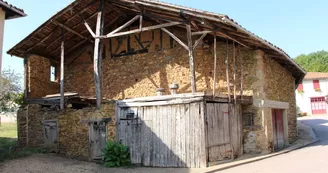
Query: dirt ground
x=54, y=164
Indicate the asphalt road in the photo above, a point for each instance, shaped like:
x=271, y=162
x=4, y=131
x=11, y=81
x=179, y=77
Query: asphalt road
x=310, y=159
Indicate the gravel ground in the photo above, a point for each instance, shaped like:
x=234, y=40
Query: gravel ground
x=54, y=164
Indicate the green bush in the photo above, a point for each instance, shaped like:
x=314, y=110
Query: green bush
x=116, y=155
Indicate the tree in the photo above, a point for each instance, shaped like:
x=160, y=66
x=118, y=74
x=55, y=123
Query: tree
x=10, y=90
x=314, y=62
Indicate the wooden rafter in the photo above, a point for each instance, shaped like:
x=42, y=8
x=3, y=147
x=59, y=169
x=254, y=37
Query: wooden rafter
x=71, y=30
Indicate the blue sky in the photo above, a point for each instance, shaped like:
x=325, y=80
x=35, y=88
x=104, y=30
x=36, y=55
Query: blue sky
x=297, y=26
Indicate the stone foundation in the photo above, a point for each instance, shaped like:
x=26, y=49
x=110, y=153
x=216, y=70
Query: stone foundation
x=73, y=134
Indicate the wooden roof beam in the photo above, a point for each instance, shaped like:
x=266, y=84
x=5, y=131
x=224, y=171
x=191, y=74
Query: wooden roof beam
x=71, y=30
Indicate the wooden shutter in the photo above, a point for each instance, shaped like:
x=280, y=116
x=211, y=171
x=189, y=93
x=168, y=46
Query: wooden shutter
x=300, y=87
x=316, y=84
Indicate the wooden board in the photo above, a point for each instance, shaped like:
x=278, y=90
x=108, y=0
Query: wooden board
x=224, y=131
x=167, y=135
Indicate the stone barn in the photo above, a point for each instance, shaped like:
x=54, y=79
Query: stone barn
x=181, y=87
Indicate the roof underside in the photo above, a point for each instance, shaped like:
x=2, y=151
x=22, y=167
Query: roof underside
x=11, y=11
x=45, y=40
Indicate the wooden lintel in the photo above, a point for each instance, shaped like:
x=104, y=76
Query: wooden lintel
x=176, y=38
x=199, y=40
x=149, y=28
x=71, y=30
x=123, y=26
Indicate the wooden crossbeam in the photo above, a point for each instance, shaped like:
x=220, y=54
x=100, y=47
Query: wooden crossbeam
x=149, y=28
x=71, y=30
x=199, y=40
x=123, y=26
x=200, y=32
x=175, y=38
x=88, y=27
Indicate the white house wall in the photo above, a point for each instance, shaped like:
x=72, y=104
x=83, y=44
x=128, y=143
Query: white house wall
x=303, y=99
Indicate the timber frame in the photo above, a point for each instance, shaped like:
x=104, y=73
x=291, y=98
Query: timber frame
x=87, y=22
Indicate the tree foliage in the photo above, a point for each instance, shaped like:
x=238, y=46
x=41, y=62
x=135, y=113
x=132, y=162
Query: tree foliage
x=10, y=90
x=314, y=62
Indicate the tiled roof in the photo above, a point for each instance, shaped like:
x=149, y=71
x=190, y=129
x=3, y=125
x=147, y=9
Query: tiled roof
x=316, y=75
x=11, y=11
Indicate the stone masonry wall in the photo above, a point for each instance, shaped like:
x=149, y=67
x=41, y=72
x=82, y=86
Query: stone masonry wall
x=73, y=134
x=39, y=84
x=140, y=75
x=281, y=87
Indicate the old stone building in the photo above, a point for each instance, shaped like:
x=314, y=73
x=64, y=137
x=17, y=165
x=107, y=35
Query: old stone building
x=150, y=46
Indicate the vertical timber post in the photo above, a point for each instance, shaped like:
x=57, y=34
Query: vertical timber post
x=234, y=73
x=26, y=77
x=191, y=60
x=227, y=72
x=97, y=55
x=215, y=64
x=62, y=54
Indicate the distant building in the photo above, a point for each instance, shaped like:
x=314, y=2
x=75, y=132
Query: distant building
x=7, y=11
x=311, y=93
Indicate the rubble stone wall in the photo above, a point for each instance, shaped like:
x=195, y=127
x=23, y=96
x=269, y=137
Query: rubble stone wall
x=73, y=134
x=39, y=84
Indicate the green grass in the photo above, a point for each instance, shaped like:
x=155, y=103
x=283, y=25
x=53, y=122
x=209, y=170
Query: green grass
x=8, y=130
x=8, y=143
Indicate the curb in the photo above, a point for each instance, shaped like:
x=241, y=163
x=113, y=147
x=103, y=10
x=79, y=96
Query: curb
x=293, y=147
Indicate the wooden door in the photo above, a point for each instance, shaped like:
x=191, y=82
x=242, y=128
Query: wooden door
x=218, y=130
x=97, y=139
x=129, y=130
x=51, y=135
x=278, y=128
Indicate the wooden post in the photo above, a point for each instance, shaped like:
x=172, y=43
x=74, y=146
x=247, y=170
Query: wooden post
x=234, y=73
x=215, y=64
x=26, y=77
x=62, y=53
x=241, y=75
x=97, y=56
x=191, y=59
x=227, y=72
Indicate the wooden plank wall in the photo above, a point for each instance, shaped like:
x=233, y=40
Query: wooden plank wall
x=165, y=136
x=224, y=131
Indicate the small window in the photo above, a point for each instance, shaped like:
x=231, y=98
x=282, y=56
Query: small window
x=52, y=74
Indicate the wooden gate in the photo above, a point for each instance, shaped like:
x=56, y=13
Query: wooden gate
x=278, y=129
x=50, y=129
x=224, y=131
x=170, y=135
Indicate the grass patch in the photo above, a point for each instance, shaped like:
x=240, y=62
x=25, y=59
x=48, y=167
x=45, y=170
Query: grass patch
x=8, y=144
x=8, y=130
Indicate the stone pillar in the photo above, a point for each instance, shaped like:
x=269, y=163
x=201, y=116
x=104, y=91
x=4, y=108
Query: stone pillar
x=257, y=138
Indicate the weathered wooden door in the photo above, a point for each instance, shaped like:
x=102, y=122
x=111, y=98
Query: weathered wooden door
x=97, y=139
x=129, y=131
x=278, y=128
x=218, y=130
x=50, y=129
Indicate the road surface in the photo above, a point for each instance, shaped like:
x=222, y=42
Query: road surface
x=313, y=158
